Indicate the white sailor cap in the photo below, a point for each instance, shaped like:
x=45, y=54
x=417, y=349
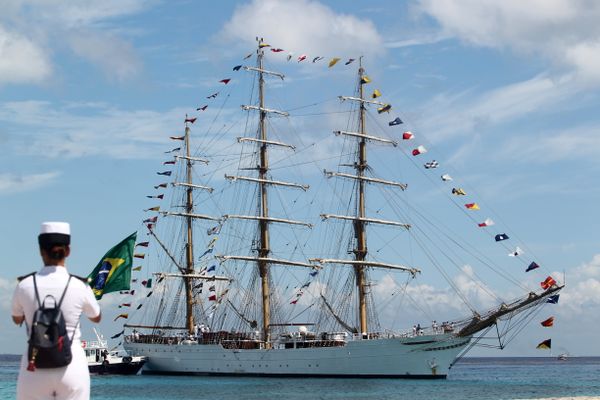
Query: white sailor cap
x=54, y=233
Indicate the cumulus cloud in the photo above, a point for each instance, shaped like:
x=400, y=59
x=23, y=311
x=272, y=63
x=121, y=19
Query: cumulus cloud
x=565, y=32
x=21, y=59
x=436, y=302
x=581, y=295
x=303, y=26
x=25, y=50
x=6, y=291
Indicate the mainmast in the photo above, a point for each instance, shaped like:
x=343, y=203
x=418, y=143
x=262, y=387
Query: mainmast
x=264, y=245
x=262, y=217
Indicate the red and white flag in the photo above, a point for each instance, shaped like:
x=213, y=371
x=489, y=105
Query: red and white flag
x=487, y=222
x=407, y=135
x=419, y=150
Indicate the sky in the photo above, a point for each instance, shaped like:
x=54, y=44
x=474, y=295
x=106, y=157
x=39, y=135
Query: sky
x=505, y=93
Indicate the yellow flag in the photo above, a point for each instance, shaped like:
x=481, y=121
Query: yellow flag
x=333, y=61
x=472, y=206
x=385, y=108
x=376, y=94
x=121, y=316
x=365, y=79
x=137, y=268
x=264, y=45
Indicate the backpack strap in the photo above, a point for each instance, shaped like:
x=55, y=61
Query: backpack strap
x=20, y=278
x=64, y=291
x=37, y=294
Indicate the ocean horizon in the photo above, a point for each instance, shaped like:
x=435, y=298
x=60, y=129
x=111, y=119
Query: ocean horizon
x=482, y=378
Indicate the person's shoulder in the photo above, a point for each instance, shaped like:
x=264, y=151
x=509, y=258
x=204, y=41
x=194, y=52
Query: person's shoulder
x=80, y=280
x=24, y=277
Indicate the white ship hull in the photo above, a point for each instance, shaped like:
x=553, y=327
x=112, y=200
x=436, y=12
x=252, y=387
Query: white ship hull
x=429, y=356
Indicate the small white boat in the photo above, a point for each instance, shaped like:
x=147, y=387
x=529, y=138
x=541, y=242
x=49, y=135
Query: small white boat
x=101, y=360
x=562, y=357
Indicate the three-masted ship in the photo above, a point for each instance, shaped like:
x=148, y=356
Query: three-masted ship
x=240, y=329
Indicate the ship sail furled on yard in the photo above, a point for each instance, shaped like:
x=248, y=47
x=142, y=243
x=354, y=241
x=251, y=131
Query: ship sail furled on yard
x=251, y=290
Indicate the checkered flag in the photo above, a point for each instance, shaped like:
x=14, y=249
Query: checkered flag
x=431, y=165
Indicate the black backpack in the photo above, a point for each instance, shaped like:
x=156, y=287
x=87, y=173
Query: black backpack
x=49, y=342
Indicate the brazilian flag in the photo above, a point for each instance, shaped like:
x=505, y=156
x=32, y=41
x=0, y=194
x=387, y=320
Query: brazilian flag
x=113, y=272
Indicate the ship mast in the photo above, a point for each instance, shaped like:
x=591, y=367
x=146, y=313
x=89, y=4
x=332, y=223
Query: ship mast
x=360, y=219
x=263, y=218
x=264, y=245
x=360, y=251
x=189, y=207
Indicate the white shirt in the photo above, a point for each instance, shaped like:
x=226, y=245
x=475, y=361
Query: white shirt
x=51, y=280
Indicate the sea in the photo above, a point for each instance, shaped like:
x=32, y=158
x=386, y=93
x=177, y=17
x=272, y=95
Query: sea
x=470, y=378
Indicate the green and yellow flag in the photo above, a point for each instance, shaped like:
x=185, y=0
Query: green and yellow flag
x=113, y=272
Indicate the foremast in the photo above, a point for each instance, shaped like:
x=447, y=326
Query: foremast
x=189, y=247
x=187, y=271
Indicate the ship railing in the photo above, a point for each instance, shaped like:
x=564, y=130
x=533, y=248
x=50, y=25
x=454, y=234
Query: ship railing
x=94, y=344
x=389, y=334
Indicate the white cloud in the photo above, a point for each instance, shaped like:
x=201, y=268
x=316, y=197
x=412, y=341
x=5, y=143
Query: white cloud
x=85, y=25
x=581, y=295
x=436, y=302
x=12, y=183
x=303, y=26
x=579, y=142
x=6, y=291
x=82, y=13
x=21, y=59
x=464, y=113
x=421, y=39
x=565, y=32
x=115, y=56
x=89, y=129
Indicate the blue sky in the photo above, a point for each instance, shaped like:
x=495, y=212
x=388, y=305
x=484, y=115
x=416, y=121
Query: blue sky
x=505, y=95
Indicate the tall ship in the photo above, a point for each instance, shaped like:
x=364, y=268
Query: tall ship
x=238, y=285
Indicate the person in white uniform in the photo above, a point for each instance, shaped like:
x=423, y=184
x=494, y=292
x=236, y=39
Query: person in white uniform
x=73, y=381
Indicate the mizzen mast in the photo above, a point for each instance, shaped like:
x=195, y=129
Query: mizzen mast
x=360, y=219
x=360, y=252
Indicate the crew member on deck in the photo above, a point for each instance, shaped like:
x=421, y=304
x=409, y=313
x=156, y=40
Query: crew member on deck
x=73, y=381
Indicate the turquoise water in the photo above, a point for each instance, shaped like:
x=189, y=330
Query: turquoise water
x=486, y=378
